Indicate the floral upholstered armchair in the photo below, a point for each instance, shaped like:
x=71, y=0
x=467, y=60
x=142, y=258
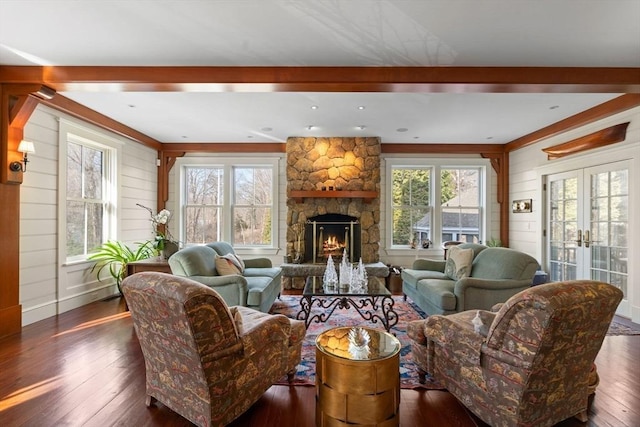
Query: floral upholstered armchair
x=531, y=363
x=207, y=361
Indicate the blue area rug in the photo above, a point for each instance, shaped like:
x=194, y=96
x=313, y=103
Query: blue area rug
x=289, y=305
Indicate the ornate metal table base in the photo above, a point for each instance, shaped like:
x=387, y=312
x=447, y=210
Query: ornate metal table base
x=366, y=305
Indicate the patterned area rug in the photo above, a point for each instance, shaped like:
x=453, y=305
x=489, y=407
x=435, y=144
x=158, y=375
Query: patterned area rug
x=618, y=328
x=289, y=305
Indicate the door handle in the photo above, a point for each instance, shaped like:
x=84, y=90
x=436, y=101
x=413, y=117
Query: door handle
x=586, y=239
x=579, y=241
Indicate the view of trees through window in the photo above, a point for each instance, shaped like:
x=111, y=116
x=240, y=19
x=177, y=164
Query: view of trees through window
x=251, y=206
x=85, y=199
x=412, y=205
x=204, y=190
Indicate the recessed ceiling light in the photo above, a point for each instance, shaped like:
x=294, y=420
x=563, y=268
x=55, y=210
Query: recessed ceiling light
x=361, y=107
x=361, y=127
x=266, y=129
x=314, y=107
x=402, y=129
x=310, y=127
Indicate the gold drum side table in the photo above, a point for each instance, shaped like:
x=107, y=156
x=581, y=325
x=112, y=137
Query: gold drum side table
x=353, y=389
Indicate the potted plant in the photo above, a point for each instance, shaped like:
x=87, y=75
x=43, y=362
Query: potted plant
x=115, y=255
x=163, y=241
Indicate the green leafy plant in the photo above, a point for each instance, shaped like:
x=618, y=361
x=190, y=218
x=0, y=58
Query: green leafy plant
x=115, y=255
x=493, y=242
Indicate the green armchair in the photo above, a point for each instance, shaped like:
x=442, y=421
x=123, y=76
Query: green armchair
x=257, y=286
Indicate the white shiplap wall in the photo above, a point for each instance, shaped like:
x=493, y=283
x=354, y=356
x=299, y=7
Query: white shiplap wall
x=47, y=285
x=529, y=165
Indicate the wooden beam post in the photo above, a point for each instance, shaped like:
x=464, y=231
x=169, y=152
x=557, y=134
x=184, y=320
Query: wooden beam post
x=16, y=105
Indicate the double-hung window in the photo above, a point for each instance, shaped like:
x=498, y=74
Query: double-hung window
x=460, y=208
x=204, y=198
x=252, y=206
x=230, y=201
x=434, y=203
x=90, y=190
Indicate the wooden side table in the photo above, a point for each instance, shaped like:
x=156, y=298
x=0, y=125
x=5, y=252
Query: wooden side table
x=352, y=390
x=158, y=263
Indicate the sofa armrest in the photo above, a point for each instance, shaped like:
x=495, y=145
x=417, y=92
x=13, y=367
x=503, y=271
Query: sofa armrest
x=261, y=334
x=258, y=263
x=458, y=337
x=429, y=264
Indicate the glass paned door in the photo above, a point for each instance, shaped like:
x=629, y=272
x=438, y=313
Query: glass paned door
x=588, y=226
x=564, y=235
x=608, y=225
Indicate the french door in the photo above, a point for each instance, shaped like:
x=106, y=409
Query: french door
x=587, y=223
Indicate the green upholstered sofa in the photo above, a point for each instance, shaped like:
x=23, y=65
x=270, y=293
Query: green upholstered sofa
x=257, y=287
x=496, y=274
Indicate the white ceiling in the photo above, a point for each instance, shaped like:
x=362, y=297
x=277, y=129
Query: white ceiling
x=563, y=33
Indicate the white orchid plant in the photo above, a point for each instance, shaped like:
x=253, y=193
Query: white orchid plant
x=162, y=234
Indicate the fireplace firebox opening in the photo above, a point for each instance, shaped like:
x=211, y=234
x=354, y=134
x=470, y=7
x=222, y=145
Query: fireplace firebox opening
x=332, y=235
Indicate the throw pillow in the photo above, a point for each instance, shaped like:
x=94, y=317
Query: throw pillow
x=458, y=263
x=225, y=267
x=235, y=259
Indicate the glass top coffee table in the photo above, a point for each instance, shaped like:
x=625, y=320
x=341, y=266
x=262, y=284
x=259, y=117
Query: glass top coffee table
x=374, y=303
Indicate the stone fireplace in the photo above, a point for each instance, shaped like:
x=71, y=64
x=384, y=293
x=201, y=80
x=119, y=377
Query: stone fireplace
x=333, y=176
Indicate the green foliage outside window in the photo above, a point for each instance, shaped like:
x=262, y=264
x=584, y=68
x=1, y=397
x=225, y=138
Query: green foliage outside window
x=410, y=202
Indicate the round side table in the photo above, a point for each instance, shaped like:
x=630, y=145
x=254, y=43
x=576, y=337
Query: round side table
x=353, y=388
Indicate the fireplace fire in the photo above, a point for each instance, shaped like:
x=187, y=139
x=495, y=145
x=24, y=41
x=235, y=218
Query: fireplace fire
x=332, y=235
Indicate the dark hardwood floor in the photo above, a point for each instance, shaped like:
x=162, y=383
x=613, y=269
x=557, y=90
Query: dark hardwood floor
x=85, y=368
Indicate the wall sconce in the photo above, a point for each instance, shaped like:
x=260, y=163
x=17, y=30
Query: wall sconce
x=25, y=147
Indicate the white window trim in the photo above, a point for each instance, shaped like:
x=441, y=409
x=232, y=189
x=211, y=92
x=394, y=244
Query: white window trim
x=437, y=164
x=228, y=162
x=71, y=131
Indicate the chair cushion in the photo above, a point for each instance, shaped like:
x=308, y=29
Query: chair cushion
x=438, y=292
x=411, y=276
x=272, y=272
x=458, y=263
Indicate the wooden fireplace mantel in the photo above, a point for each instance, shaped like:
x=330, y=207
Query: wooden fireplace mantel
x=300, y=195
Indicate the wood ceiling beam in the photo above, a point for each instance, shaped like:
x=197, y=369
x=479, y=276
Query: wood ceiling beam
x=74, y=109
x=332, y=79
x=224, y=147
x=391, y=148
